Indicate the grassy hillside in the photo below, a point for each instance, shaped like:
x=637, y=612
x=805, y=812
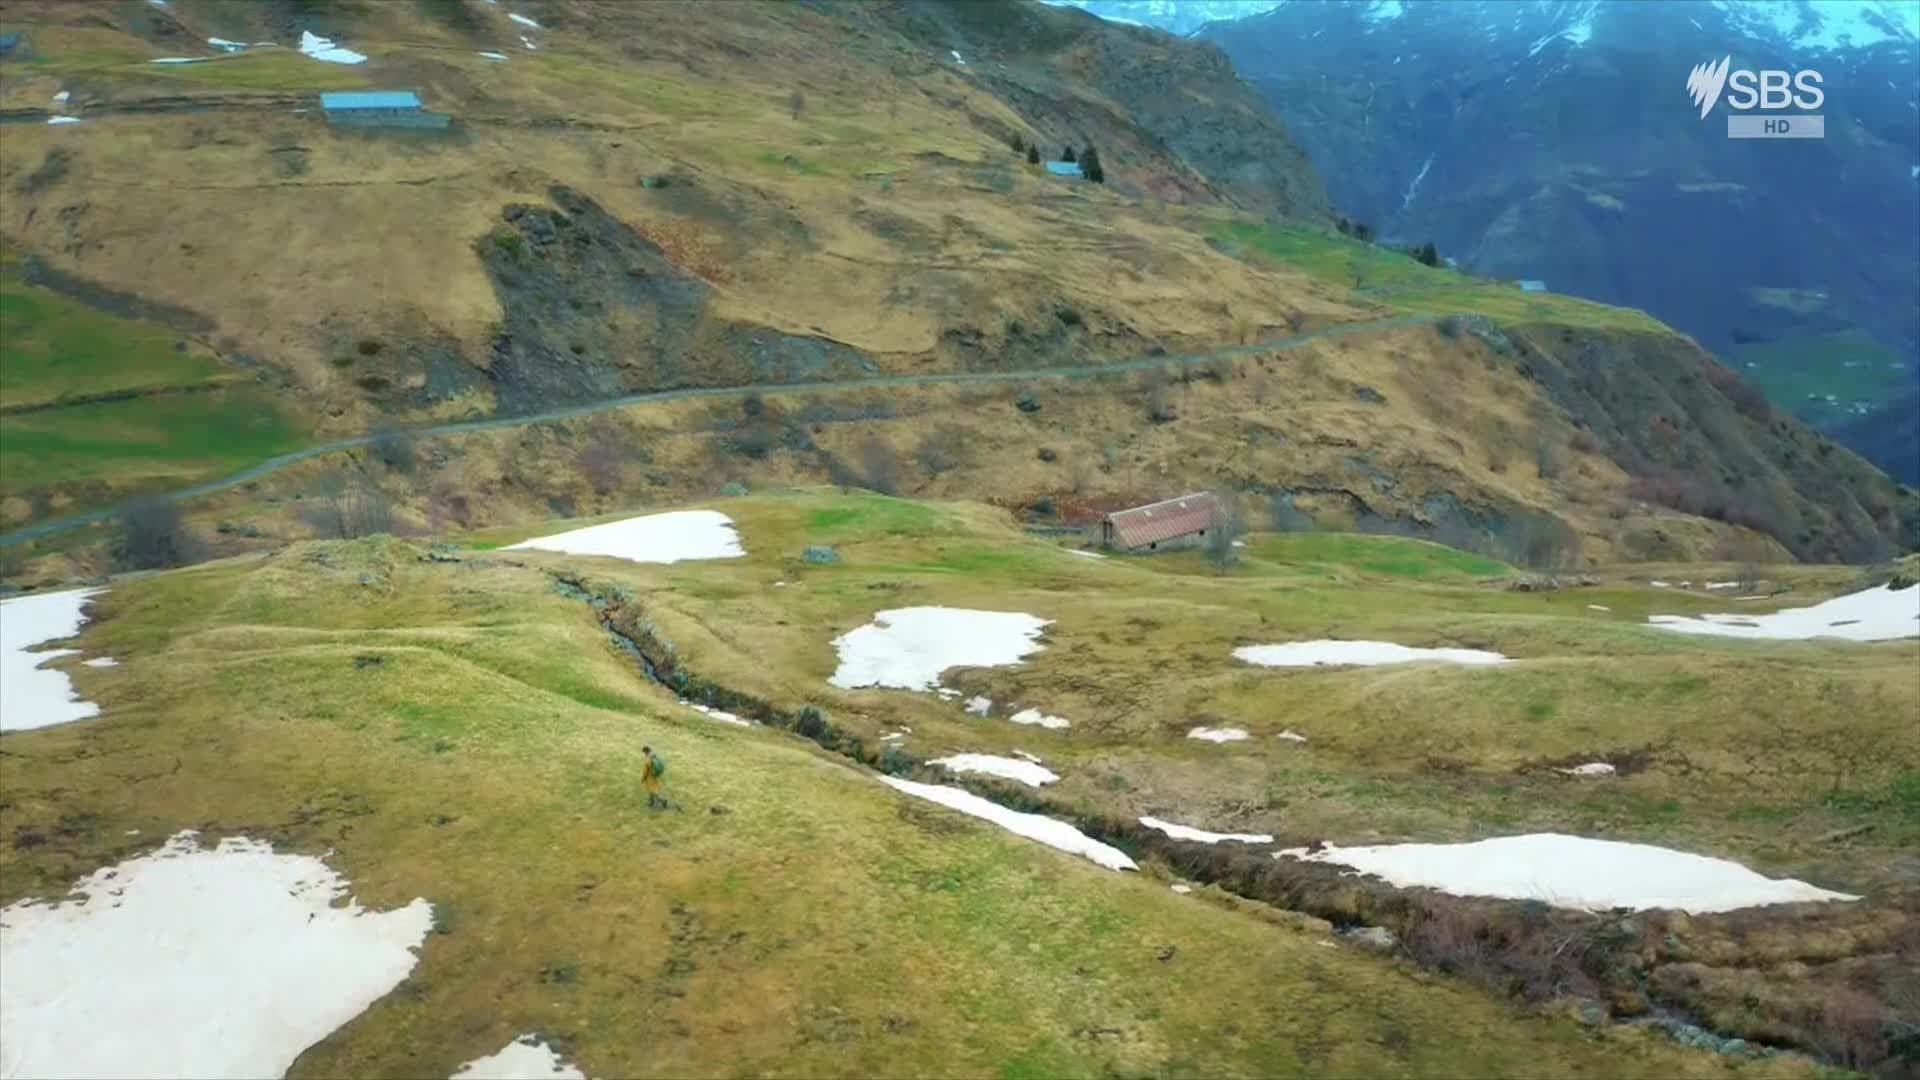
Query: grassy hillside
x=465, y=731
x=648, y=197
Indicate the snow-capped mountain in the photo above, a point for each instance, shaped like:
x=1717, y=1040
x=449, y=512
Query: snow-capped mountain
x=1555, y=140
x=1178, y=16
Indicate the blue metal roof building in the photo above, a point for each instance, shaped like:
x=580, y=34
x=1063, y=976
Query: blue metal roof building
x=1065, y=168
x=361, y=101
x=380, y=108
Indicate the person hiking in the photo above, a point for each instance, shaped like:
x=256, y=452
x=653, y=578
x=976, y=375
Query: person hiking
x=650, y=774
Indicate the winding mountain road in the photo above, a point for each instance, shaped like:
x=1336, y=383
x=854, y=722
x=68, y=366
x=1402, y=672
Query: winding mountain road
x=56, y=526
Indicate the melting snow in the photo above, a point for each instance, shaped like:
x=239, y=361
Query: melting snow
x=1591, y=768
x=1055, y=834
x=321, y=48
x=979, y=706
x=1572, y=872
x=653, y=538
x=1359, y=653
x=908, y=648
x=1219, y=735
x=1878, y=614
x=525, y=1058
x=30, y=695
x=716, y=714
x=1183, y=832
x=1036, y=718
x=1026, y=772
x=523, y=20
x=1415, y=185
x=192, y=962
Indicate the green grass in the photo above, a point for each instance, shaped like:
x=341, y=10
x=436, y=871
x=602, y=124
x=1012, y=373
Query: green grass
x=1797, y=374
x=1398, y=281
x=796, y=918
x=52, y=348
x=1378, y=556
x=259, y=69
x=170, y=440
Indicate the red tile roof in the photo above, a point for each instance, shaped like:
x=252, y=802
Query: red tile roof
x=1165, y=520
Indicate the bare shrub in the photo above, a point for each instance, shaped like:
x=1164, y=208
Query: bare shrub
x=1223, y=548
x=1283, y=516
x=1549, y=459
x=880, y=466
x=152, y=536
x=393, y=447
x=347, y=508
x=941, y=450
x=602, y=458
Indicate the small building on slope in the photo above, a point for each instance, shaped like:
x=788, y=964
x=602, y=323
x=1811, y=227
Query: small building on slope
x=379, y=108
x=1165, y=525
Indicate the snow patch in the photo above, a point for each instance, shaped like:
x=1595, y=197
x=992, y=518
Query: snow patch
x=1591, y=768
x=1036, y=718
x=523, y=20
x=1029, y=773
x=1054, y=834
x=100, y=661
x=721, y=715
x=1291, y=735
x=1877, y=614
x=1723, y=584
x=186, y=961
x=1218, y=735
x=653, y=538
x=503, y=56
x=908, y=648
x=525, y=1058
x=1357, y=653
x=227, y=46
x=1598, y=607
x=956, y=57
x=61, y=120
x=528, y=42
x=30, y=695
x=1660, y=584
x=1181, y=889
x=1085, y=554
x=61, y=97
x=321, y=48
x=1184, y=832
x=979, y=706
x=178, y=60
x=1572, y=872
x=1407, y=200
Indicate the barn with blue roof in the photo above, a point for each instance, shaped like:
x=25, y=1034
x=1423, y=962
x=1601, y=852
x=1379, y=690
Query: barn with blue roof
x=379, y=108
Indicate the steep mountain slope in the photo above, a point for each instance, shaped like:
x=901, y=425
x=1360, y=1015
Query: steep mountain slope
x=645, y=198
x=1551, y=140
